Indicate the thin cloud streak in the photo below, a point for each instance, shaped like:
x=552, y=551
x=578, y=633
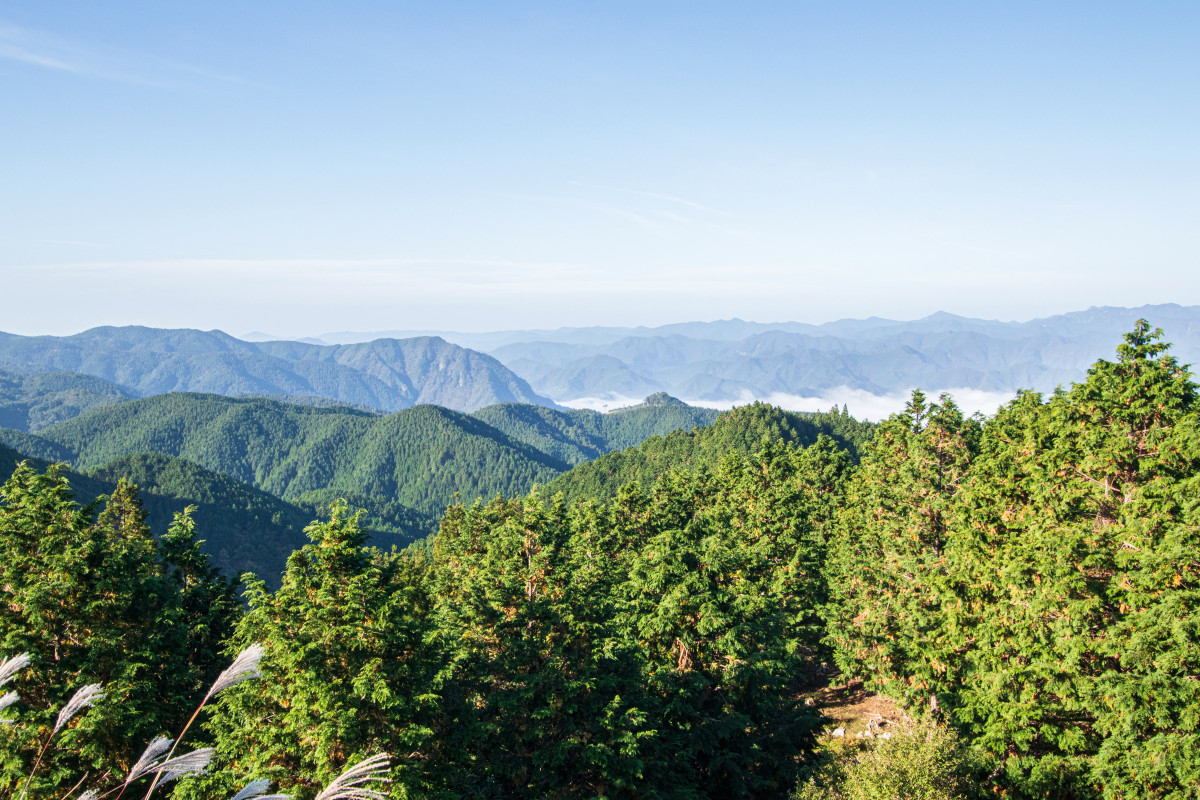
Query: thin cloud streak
x=45, y=50
x=655, y=195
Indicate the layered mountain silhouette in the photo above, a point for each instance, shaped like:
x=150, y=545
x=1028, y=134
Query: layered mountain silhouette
x=385, y=374
x=730, y=361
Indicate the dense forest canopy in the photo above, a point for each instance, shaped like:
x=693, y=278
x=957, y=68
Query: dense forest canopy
x=1026, y=586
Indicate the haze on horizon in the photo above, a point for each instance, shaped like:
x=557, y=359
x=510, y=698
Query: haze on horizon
x=299, y=168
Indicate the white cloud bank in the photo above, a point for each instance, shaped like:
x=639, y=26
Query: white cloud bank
x=861, y=404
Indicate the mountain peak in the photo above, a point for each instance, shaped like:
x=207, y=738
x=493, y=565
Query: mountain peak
x=662, y=399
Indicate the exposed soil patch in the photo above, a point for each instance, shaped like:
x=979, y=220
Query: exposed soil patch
x=857, y=712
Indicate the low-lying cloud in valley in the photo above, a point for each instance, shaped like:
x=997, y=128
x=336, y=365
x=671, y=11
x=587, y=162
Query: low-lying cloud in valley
x=861, y=404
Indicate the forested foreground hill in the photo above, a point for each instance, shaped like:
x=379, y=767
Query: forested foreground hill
x=577, y=436
x=741, y=431
x=1026, y=585
x=420, y=457
x=275, y=465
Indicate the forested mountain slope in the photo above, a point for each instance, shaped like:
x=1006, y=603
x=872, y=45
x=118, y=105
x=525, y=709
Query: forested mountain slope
x=421, y=457
x=741, y=431
x=576, y=436
x=242, y=528
x=31, y=402
x=386, y=374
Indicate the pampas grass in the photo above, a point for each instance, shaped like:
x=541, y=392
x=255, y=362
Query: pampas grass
x=256, y=790
x=9, y=667
x=85, y=697
x=348, y=785
x=243, y=668
x=157, y=759
x=149, y=758
x=8, y=670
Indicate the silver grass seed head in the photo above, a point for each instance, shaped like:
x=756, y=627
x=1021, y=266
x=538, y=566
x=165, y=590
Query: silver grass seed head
x=84, y=698
x=150, y=758
x=90, y=794
x=6, y=701
x=243, y=668
x=255, y=788
x=348, y=785
x=193, y=763
x=11, y=666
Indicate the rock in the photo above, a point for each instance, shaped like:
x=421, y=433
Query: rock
x=838, y=733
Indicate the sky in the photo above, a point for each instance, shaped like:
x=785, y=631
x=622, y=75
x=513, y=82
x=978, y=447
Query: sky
x=298, y=167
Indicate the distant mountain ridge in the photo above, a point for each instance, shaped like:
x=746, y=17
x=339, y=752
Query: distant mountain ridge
x=708, y=363
x=385, y=374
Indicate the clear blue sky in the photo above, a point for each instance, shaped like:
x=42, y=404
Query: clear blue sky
x=303, y=167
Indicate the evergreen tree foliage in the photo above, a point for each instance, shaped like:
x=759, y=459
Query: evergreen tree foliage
x=345, y=673
x=890, y=566
x=743, y=430
x=92, y=599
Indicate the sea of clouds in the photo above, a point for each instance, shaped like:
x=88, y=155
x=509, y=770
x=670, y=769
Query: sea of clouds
x=861, y=404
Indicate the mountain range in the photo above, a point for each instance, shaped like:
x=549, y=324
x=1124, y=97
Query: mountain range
x=387, y=374
x=261, y=469
x=734, y=361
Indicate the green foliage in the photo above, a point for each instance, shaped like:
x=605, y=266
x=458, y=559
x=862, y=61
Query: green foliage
x=92, y=599
x=1042, y=589
x=926, y=763
x=420, y=458
x=574, y=437
x=540, y=684
x=743, y=430
x=890, y=562
x=345, y=673
x=32, y=402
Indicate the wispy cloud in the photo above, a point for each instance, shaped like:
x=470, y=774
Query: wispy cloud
x=656, y=196
x=73, y=243
x=860, y=403
x=657, y=212
x=40, y=48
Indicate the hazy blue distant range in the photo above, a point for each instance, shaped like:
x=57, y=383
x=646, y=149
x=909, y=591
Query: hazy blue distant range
x=733, y=361
x=714, y=363
x=386, y=374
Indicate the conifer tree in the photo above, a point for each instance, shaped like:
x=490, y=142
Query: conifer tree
x=345, y=674
x=91, y=602
x=889, y=569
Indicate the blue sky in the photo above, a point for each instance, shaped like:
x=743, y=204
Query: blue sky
x=304, y=167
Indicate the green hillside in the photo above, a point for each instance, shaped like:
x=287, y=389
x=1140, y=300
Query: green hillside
x=576, y=436
x=242, y=528
x=743, y=430
x=421, y=458
x=33, y=402
x=31, y=445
